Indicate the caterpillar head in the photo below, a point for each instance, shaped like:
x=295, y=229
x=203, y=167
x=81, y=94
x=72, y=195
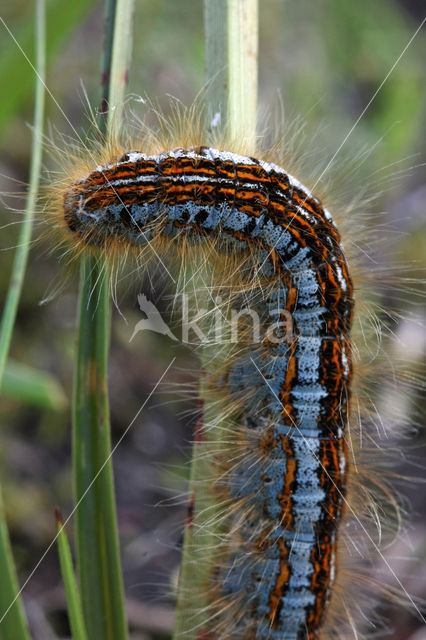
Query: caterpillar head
x=107, y=203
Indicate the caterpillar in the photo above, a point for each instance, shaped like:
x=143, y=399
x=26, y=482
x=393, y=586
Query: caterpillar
x=263, y=242
x=225, y=584
x=293, y=391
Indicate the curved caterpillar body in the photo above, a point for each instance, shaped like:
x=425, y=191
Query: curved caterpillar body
x=294, y=391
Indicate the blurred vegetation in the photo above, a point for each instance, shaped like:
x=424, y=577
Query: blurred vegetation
x=324, y=60
x=33, y=387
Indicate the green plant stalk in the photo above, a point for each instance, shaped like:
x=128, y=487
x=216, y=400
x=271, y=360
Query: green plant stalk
x=75, y=610
x=242, y=71
x=202, y=529
x=22, y=251
x=98, y=557
x=215, y=59
x=97, y=542
x=13, y=625
x=233, y=22
x=120, y=62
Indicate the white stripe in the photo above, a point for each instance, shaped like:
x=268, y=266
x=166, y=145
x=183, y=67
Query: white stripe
x=306, y=214
x=211, y=154
x=270, y=166
x=228, y=156
x=134, y=156
x=340, y=277
x=188, y=177
x=295, y=183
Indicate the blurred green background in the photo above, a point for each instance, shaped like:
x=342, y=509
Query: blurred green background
x=323, y=61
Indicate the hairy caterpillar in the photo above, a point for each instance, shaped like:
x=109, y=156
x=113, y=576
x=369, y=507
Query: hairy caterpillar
x=293, y=423
x=184, y=187
x=98, y=205
x=231, y=147
x=196, y=205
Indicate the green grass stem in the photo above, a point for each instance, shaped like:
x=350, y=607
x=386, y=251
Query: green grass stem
x=242, y=71
x=230, y=45
x=97, y=542
x=75, y=609
x=13, y=624
x=23, y=246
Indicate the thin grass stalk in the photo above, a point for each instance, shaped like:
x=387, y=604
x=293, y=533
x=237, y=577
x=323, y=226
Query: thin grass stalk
x=13, y=623
x=231, y=43
x=74, y=606
x=23, y=247
x=215, y=60
x=242, y=71
x=97, y=541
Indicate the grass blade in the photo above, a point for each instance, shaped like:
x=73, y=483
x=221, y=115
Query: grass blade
x=231, y=45
x=75, y=611
x=98, y=554
x=13, y=625
x=23, y=247
x=242, y=71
